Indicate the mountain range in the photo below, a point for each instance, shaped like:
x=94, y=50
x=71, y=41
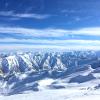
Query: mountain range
x=23, y=71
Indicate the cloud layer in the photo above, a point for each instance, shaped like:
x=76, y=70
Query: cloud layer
x=48, y=32
x=43, y=42
x=24, y=15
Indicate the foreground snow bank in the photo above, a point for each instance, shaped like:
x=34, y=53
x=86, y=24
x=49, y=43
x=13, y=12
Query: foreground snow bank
x=61, y=94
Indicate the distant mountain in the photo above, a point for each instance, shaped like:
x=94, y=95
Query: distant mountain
x=51, y=61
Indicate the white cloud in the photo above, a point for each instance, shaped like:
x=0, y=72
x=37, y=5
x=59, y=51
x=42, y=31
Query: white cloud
x=45, y=43
x=36, y=16
x=33, y=32
x=95, y=31
x=54, y=47
x=92, y=31
x=24, y=15
x=53, y=42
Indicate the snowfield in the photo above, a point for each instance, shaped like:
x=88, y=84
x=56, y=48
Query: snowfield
x=60, y=89
x=73, y=92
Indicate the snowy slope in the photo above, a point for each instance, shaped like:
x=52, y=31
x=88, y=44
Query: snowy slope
x=60, y=89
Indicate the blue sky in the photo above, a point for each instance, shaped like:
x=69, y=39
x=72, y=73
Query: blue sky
x=53, y=24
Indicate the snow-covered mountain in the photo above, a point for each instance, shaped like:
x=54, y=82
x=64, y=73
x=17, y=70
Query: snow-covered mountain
x=38, y=61
x=27, y=71
x=29, y=61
